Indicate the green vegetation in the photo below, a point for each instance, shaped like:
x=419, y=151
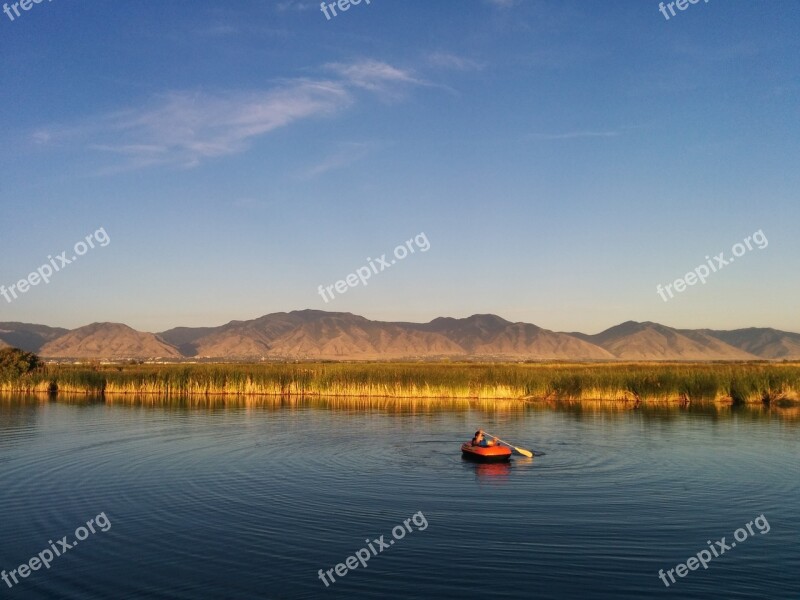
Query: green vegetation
x=15, y=364
x=631, y=382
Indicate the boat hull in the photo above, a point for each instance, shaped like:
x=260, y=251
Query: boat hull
x=485, y=454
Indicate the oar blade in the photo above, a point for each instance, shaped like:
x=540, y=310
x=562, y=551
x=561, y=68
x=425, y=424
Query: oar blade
x=522, y=451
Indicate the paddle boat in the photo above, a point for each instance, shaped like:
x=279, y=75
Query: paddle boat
x=485, y=453
x=480, y=450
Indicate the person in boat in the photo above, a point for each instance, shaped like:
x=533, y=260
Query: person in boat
x=480, y=440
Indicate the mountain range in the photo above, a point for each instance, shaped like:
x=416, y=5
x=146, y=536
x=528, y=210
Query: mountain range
x=313, y=334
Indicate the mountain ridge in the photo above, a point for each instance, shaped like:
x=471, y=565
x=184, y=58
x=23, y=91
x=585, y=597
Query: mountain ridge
x=108, y=340
x=323, y=335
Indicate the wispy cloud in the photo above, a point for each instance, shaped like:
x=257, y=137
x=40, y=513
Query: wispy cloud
x=574, y=134
x=249, y=202
x=502, y=3
x=345, y=155
x=285, y=5
x=218, y=30
x=378, y=77
x=452, y=61
x=184, y=129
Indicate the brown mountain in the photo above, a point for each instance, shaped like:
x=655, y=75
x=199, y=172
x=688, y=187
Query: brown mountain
x=763, y=342
x=490, y=335
x=28, y=337
x=108, y=340
x=238, y=339
x=341, y=335
x=318, y=334
x=313, y=334
x=651, y=341
x=185, y=338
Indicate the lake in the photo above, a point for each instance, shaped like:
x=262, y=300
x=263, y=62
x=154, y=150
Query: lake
x=252, y=500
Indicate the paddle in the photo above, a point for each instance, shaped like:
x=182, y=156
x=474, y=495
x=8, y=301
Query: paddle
x=522, y=451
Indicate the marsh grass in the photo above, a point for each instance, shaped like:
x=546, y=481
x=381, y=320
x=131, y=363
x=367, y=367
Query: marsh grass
x=740, y=383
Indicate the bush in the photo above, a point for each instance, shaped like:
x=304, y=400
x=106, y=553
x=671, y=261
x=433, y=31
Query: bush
x=14, y=363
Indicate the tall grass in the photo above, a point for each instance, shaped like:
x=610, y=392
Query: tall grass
x=635, y=382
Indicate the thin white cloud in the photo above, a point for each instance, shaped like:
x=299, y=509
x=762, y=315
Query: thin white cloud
x=376, y=76
x=574, y=134
x=42, y=137
x=296, y=5
x=248, y=202
x=184, y=129
x=346, y=155
x=446, y=60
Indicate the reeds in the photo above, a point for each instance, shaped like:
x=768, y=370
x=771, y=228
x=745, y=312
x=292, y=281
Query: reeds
x=630, y=382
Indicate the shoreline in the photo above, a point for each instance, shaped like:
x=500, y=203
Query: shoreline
x=631, y=383
x=623, y=399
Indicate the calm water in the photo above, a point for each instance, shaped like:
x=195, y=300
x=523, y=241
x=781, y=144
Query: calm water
x=250, y=502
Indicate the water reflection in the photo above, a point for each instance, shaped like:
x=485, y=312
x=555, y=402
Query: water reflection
x=491, y=472
x=10, y=404
x=496, y=472
x=268, y=490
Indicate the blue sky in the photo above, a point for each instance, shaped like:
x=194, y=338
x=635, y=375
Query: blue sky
x=562, y=157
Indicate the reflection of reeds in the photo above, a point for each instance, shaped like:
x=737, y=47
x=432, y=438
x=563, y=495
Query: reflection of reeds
x=628, y=383
x=788, y=411
x=328, y=403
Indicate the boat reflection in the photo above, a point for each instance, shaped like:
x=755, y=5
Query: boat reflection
x=496, y=472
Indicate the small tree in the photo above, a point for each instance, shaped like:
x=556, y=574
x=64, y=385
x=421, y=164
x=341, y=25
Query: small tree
x=14, y=363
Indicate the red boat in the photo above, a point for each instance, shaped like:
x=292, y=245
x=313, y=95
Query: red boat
x=485, y=453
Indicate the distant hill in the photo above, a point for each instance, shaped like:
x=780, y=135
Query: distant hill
x=342, y=335
x=252, y=338
x=315, y=334
x=185, y=338
x=108, y=340
x=320, y=334
x=652, y=341
x=763, y=342
x=28, y=337
x=490, y=335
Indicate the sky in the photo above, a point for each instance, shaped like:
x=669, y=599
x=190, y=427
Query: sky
x=558, y=160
